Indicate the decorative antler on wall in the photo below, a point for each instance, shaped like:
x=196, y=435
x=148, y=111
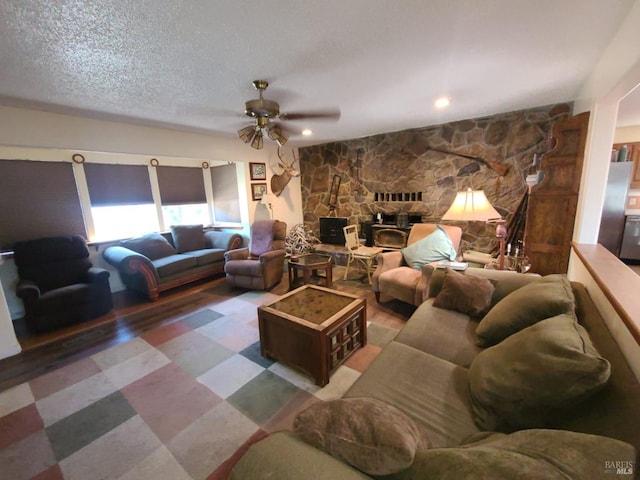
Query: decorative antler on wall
x=279, y=181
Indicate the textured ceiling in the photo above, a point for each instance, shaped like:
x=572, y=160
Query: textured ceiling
x=189, y=64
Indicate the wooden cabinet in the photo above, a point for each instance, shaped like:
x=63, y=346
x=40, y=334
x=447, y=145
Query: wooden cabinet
x=553, y=202
x=633, y=155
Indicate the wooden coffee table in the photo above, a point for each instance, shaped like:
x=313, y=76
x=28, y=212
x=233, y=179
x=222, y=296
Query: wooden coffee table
x=313, y=329
x=309, y=264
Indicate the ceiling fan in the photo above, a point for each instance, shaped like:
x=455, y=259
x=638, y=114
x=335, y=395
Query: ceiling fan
x=266, y=112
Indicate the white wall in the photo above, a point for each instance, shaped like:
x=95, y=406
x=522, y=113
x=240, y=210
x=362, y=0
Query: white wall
x=627, y=134
x=48, y=136
x=615, y=75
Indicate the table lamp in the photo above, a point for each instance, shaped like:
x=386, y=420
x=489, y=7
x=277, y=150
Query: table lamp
x=473, y=206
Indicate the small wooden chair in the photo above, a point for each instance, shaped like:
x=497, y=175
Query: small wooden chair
x=358, y=252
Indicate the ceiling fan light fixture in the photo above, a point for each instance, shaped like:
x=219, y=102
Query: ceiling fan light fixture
x=266, y=112
x=246, y=133
x=275, y=134
x=257, y=140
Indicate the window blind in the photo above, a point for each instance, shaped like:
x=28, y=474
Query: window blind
x=38, y=199
x=181, y=185
x=225, y=193
x=111, y=185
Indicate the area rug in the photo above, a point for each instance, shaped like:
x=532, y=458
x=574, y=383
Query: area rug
x=182, y=401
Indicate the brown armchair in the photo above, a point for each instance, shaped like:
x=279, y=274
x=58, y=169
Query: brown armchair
x=58, y=284
x=261, y=265
x=393, y=278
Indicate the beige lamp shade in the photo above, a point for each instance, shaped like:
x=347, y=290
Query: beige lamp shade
x=266, y=199
x=471, y=205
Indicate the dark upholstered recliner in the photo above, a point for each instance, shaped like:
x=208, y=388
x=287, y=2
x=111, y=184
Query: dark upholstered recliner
x=58, y=283
x=260, y=266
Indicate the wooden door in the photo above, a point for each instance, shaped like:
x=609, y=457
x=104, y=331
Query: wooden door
x=553, y=202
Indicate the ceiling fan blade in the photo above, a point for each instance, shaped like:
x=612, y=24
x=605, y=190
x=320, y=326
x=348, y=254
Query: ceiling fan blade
x=316, y=115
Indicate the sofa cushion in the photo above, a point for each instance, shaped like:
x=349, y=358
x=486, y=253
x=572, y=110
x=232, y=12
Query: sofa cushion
x=523, y=380
x=187, y=238
x=369, y=434
x=282, y=455
x=173, y=264
x=433, y=392
x=468, y=294
x=400, y=283
x=543, y=298
x=533, y=454
x=432, y=248
x=153, y=246
x=206, y=256
x=446, y=334
x=65, y=297
x=53, y=275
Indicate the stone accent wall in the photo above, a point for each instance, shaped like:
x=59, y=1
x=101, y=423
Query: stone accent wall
x=397, y=172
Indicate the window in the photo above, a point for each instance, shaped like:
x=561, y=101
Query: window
x=183, y=197
x=121, y=201
x=123, y=221
x=188, y=214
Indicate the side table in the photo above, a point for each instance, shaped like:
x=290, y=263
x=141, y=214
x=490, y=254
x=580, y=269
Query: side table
x=302, y=268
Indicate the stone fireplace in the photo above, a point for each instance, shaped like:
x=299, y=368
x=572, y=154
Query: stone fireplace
x=406, y=173
x=390, y=238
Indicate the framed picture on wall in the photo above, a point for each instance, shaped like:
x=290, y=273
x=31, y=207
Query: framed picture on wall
x=258, y=171
x=257, y=190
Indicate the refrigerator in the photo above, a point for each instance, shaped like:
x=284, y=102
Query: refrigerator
x=613, y=219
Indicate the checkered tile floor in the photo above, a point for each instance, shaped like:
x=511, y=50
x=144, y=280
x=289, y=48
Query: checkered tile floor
x=182, y=401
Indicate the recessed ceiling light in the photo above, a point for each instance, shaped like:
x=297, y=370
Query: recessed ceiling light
x=442, y=102
x=306, y=132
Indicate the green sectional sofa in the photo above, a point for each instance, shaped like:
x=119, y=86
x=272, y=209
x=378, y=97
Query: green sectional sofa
x=156, y=262
x=549, y=394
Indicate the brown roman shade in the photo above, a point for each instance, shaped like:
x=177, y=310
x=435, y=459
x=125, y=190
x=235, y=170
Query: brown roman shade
x=225, y=193
x=111, y=184
x=181, y=185
x=37, y=199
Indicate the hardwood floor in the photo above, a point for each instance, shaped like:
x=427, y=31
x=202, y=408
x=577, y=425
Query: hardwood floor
x=132, y=315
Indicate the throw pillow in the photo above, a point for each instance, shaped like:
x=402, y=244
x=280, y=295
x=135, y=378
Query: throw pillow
x=188, y=238
x=369, y=434
x=468, y=294
x=536, y=454
x=548, y=366
x=152, y=246
x=543, y=298
x=434, y=247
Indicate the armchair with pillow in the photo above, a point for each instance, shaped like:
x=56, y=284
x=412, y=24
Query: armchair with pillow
x=402, y=275
x=261, y=265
